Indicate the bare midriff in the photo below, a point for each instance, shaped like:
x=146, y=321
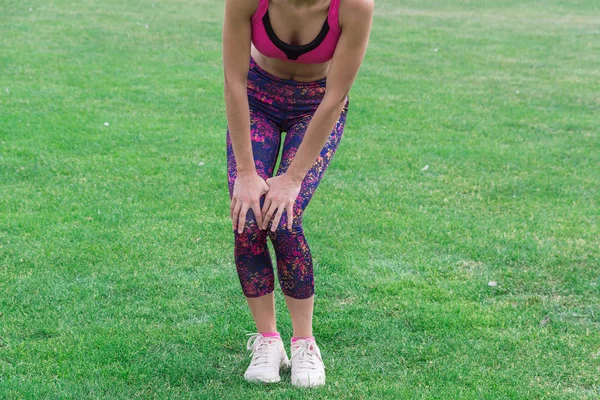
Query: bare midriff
x=290, y=70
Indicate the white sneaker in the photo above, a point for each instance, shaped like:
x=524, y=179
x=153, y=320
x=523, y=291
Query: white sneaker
x=268, y=355
x=307, y=365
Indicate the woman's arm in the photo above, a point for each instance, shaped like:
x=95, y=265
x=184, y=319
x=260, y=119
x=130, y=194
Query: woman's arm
x=355, y=20
x=236, y=61
x=248, y=186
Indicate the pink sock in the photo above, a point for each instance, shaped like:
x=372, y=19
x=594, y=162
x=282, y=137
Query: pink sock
x=271, y=334
x=307, y=338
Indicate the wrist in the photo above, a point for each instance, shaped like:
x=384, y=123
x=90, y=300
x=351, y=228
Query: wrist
x=246, y=171
x=296, y=176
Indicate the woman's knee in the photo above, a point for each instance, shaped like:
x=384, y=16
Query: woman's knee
x=251, y=242
x=250, y=227
x=282, y=230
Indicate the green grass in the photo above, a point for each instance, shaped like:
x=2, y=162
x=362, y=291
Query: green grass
x=117, y=277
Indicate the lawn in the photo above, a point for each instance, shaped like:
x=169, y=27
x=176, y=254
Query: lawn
x=471, y=155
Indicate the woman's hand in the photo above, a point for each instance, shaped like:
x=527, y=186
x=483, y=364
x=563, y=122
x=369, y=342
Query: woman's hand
x=247, y=190
x=282, y=194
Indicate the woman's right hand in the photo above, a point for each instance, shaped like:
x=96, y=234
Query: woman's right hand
x=247, y=190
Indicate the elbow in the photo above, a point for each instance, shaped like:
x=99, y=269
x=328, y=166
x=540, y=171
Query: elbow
x=233, y=85
x=336, y=98
x=229, y=89
x=226, y=84
x=336, y=101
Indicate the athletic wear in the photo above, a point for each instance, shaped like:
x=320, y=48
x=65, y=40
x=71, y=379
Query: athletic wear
x=271, y=334
x=305, y=338
x=307, y=365
x=268, y=356
x=278, y=105
x=320, y=50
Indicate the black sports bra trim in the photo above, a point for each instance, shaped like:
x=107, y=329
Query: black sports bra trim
x=294, y=51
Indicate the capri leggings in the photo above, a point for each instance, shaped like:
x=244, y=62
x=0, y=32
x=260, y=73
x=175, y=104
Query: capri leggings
x=280, y=105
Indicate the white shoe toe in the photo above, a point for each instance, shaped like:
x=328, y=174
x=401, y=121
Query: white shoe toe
x=309, y=380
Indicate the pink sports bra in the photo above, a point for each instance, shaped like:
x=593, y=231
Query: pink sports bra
x=319, y=50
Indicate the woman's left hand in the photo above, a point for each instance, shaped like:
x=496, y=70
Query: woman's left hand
x=283, y=191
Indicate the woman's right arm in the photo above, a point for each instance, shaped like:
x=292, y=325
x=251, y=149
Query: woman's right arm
x=249, y=186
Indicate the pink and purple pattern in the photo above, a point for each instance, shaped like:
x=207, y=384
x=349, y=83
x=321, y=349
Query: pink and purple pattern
x=280, y=105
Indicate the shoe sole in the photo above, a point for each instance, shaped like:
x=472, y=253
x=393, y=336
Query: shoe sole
x=257, y=380
x=309, y=384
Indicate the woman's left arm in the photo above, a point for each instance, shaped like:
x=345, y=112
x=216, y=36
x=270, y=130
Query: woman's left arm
x=355, y=23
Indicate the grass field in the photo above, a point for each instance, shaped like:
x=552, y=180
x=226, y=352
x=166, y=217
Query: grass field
x=117, y=278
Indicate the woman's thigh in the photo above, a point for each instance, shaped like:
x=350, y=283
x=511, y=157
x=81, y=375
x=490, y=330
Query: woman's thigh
x=266, y=139
x=292, y=142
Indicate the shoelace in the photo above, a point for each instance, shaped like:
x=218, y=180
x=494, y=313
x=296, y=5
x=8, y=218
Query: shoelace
x=306, y=355
x=260, y=348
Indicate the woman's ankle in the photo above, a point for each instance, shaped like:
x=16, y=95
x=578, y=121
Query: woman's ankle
x=271, y=334
x=294, y=338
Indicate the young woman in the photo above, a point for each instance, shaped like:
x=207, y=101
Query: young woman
x=289, y=66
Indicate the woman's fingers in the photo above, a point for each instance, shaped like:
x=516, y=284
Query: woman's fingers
x=265, y=209
x=257, y=213
x=290, y=216
x=242, y=220
x=266, y=205
x=234, y=217
x=238, y=212
x=231, y=207
x=275, y=223
x=269, y=215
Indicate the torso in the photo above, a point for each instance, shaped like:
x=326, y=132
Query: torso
x=295, y=26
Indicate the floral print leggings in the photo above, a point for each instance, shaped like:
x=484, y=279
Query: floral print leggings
x=280, y=105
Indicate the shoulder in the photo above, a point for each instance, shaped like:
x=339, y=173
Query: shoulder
x=354, y=12
x=241, y=8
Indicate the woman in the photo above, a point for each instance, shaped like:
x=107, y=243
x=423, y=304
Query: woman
x=288, y=67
